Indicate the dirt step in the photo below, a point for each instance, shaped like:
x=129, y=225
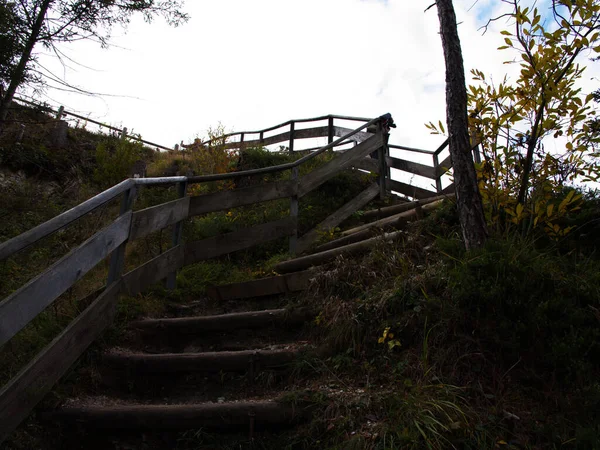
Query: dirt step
x=225, y=322
x=251, y=360
x=281, y=284
x=260, y=413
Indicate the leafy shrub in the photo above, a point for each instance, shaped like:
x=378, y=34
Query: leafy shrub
x=114, y=160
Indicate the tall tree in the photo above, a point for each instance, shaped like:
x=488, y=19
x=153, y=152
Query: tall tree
x=470, y=208
x=51, y=22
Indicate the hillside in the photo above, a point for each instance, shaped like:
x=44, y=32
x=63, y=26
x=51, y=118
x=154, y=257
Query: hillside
x=398, y=338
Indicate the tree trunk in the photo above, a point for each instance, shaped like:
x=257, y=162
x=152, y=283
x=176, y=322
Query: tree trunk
x=468, y=199
x=17, y=77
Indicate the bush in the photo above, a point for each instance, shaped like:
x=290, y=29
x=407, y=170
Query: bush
x=114, y=159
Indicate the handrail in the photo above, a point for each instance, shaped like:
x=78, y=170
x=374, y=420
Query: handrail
x=284, y=124
x=28, y=238
x=11, y=246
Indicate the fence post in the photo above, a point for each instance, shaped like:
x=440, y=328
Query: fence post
x=124, y=133
x=382, y=152
x=60, y=113
x=438, y=178
x=262, y=138
x=291, y=147
x=177, y=232
x=241, y=141
x=294, y=213
x=117, y=259
x=330, y=130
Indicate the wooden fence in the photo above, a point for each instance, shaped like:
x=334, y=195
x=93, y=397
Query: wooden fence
x=20, y=395
x=370, y=152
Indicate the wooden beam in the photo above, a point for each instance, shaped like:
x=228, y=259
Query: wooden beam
x=316, y=259
x=338, y=216
x=239, y=197
x=22, y=306
x=265, y=286
x=330, y=169
x=444, y=166
x=20, y=395
x=158, y=217
x=153, y=271
x=238, y=240
x=23, y=240
x=408, y=190
x=182, y=417
x=225, y=322
x=411, y=167
x=368, y=164
x=358, y=137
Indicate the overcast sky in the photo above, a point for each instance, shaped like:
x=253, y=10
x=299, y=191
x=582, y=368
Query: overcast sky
x=253, y=64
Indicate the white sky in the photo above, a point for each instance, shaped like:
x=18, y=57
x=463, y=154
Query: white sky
x=253, y=64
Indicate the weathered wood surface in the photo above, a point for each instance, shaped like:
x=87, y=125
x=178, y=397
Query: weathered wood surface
x=238, y=240
x=411, y=167
x=306, y=133
x=349, y=239
x=358, y=137
x=158, y=217
x=330, y=169
x=153, y=271
x=225, y=322
x=183, y=417
x=35, y=234
x=20, y=395
x=444, y=166
x=408, y=190
x=397, y=220
x=368, y=164
x=239, y=197
x=387, y=211
x=450, y=189
x=226, y=361
x=304, y=242
x=22, y=306
x=265, y=286
x=316, y=259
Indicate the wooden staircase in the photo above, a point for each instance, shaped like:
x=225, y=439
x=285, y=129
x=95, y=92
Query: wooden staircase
x=189, y=371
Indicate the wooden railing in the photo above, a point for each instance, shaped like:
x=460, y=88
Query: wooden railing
x=20, y=395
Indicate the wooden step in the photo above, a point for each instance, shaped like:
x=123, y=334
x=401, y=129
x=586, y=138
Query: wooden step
x=225, y=322
x=316, y=259
x=280, y=284
x=386, y=211
x=250, y=360
x=263, y=413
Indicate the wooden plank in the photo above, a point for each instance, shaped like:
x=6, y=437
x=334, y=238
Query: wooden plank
x=306, y=133
x=153, y=271
x=408, y=190
x=20, y=395
x=158, y=217
x=23, y=240
x=22, y=306
x=239, y=197
x=368, y=164
x=338, y=217
x=238, y=240
x=444, y=166
x=265, y=286
x=411, y=167
x=330, y=169
x=358, y=137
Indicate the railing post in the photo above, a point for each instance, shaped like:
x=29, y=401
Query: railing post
x=382, y=152
x=124, y=133
x=117, y=259
x=60, y=113
x=330, y=130
x=294, y=213
x=262, y=138
x=292, y=129
x=177, y=232
x=241, y=141
x=438, y=178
